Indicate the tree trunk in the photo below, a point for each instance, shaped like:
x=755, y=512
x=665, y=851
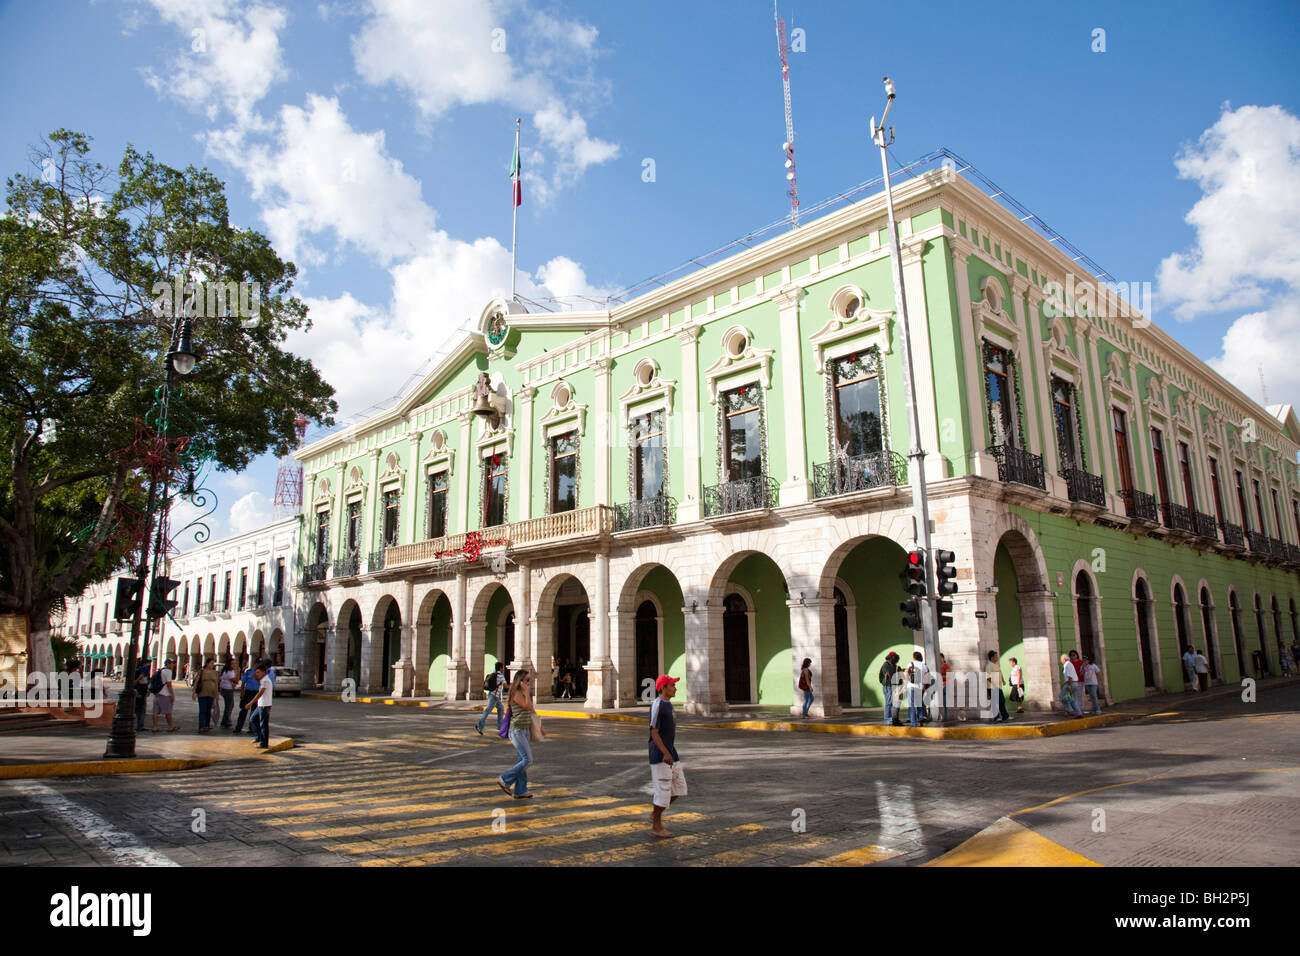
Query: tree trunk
x=40, y=655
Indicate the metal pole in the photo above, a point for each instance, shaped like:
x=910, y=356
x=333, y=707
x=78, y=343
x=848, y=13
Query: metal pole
x=916, y=455
x=514, y=212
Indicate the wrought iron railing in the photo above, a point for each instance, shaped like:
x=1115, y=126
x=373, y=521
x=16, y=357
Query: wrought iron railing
x=257, y=599
x=376, y=561
x=842, y=476
x=1258, y=542
x=745, y=494
x=1139, y=505
x=1233, y=536
x=315, y=572
x=97, y=627
x=661, y=510
x=1084, y=486
x=1292, y=554
x=1206, y=526
x=347, y=566
x=1180, y=518
x=1016, y=464
x=1277, y=547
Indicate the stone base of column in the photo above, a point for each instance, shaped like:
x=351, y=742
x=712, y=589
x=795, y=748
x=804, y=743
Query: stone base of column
x=699, y=708
x=600, y=686
x=403, y=678
x=457, y=680
x=818, y=709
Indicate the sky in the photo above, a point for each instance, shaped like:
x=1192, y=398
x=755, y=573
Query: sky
x=371, y=142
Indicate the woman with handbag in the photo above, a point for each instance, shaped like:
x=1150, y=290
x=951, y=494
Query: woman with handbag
x=521, y=723
x=1017, y=685
x=805, y=684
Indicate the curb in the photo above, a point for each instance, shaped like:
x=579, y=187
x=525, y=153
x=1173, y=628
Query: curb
x=94, y=768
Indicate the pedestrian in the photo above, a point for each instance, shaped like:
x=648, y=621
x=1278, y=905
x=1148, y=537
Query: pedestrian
x=141, y=696
x=1017, y=685
x=944, y=669
x=250, y=686
x=994, y=680
x=666, y=774
x=888, y=679
x=1070, y=687
x=1283, y=657
x=521, y=723
x=226, y=685
x=164, y=695
x=555, y=677
x=805, y=684
x=262, y=700
x=1202, y=665
x=493, y=684
x=1091, y=675
x=918, y=675
x=1189, y=667
x=206, y=684
x=1295, y=653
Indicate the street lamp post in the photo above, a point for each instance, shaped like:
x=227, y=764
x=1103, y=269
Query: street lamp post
x=180, y=361
x=916, y=455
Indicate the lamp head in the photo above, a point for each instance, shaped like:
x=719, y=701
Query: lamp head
x=183, y=357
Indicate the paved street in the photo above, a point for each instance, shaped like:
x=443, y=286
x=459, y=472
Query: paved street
x=1206, y=783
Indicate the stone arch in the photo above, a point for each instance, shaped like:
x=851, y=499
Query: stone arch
x=1085, y=593
x=315, y=638
x=382, y=647
x=432, y=653
x=1180, y=608
x=561, y=628
x=276, y=648
x=223, y=648
x=345, y=647
x=257, y=644
x=1146, y=630
x=635, y=651
x=1022, y=622
x=1262, y=629
x=759, y=657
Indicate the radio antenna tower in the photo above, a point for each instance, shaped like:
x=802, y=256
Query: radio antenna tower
x=788, y=146
x=288, y=480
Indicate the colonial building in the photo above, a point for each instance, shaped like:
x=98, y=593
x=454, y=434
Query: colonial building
x=235, y=597
x=707, y=480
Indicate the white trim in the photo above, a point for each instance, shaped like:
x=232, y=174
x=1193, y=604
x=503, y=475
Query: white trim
x=753, y=364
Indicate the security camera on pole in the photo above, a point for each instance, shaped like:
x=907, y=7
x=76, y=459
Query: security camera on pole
x=916, y=456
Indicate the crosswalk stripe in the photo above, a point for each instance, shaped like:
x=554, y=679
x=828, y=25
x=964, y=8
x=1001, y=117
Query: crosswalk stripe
x=349, y=785
x=529, y=843
x=514, y=810
x=861, y=857
x=623, y=854
x=541, y=823
x=395, y=797
x=751, y=853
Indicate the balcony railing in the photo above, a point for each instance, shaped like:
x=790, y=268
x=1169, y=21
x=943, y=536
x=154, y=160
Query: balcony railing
x=1084, y=486
x=1258, y=542
x=1139, y=505
x=581, y=522
x=1206, y=526
x=1277, y=547
x=746, y=494
x=256, y=599
x=1180, y=518
x=659, y=511
x=347, y=566
x=115, y=627
x=1022, y=467
x=1233, y=536
x=375, y=562
x=1292, y=554
x=842, y=476
x=314, y=572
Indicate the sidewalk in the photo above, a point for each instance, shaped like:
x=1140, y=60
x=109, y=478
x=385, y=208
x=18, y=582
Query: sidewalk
x=856, y=721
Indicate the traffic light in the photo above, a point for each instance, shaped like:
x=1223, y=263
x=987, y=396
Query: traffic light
x=160, y=605
x=128, y=599
x=944, y=586
x=914, y=582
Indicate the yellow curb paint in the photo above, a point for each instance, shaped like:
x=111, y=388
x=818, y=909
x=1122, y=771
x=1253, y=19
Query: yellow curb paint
x=623, y=854
x=409, y=824
x=971, y=732
x=485, y=830
x=530, y=843
x=862, y=857
x=98, y=768
x=1129, y=783
x=1007, y=843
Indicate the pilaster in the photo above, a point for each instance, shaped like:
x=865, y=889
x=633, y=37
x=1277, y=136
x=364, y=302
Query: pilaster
x=936, y=467
x=600, y=674
x=688, y=505
x=469, y=462
x=600, y=366
x=812, y=635
x=794, y=483
x=523, y=490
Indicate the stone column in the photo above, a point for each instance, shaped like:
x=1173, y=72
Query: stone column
x=468, y=463
x=336, y=657
x=542, y=628
x=372, y=658
x=404, y=669
x=523, y=490
x=457, y=667
x=1037, y=616
x=420, y=659
x=812, y=634
x=705, y=682
x=600, y=673
x=688, y=496
x=600, y=366
x=622, y=640
x=475, y=650
x=936, y=467
x=794, y=480
x=523, y=623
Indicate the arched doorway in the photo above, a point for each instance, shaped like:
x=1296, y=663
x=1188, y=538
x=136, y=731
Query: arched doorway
x=1210, y=631
x=392, y=646
x=277, y=647
x=1085, y=614
x=439, y=644
x=843, y=661
x=1238, y=638
x=571, y=635
x=1146, y=627
x=1277, y=634
x=1182, y=627
x=736, y=653
x=1263, y=641
x=313, y=647
x=648, y=623
x=352, y=668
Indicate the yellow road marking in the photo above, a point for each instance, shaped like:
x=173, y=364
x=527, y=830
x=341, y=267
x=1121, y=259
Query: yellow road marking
x=484, y=793
x=1008, y=843
x=619, y=854
x=541, y=823
x=748, y=854
x=307, y=790
x=516, y=809
x=862, y=857
x=529, y=843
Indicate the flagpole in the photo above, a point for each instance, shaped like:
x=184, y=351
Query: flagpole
x=514, y=220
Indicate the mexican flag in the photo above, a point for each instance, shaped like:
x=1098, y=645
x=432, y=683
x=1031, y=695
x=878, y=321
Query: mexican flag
x=516, y=174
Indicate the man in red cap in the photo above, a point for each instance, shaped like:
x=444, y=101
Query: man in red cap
x=665, y=769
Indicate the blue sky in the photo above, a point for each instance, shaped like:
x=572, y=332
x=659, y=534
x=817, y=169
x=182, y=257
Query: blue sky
x=371, y=141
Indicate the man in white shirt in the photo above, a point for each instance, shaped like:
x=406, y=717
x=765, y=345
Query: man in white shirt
x=1201, y=664
x=262, y=701
x=1189, y=667
x=165, y=696
x=1070, y=687
x=917, y=677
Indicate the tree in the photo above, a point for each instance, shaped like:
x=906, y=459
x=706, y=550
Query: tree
x=90, y=264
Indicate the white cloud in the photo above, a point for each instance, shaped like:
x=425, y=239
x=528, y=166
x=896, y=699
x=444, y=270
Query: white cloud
x=251, y=511
x=1247, y=227
x=233, y=56
x=1247, y=251
x=462, y=52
